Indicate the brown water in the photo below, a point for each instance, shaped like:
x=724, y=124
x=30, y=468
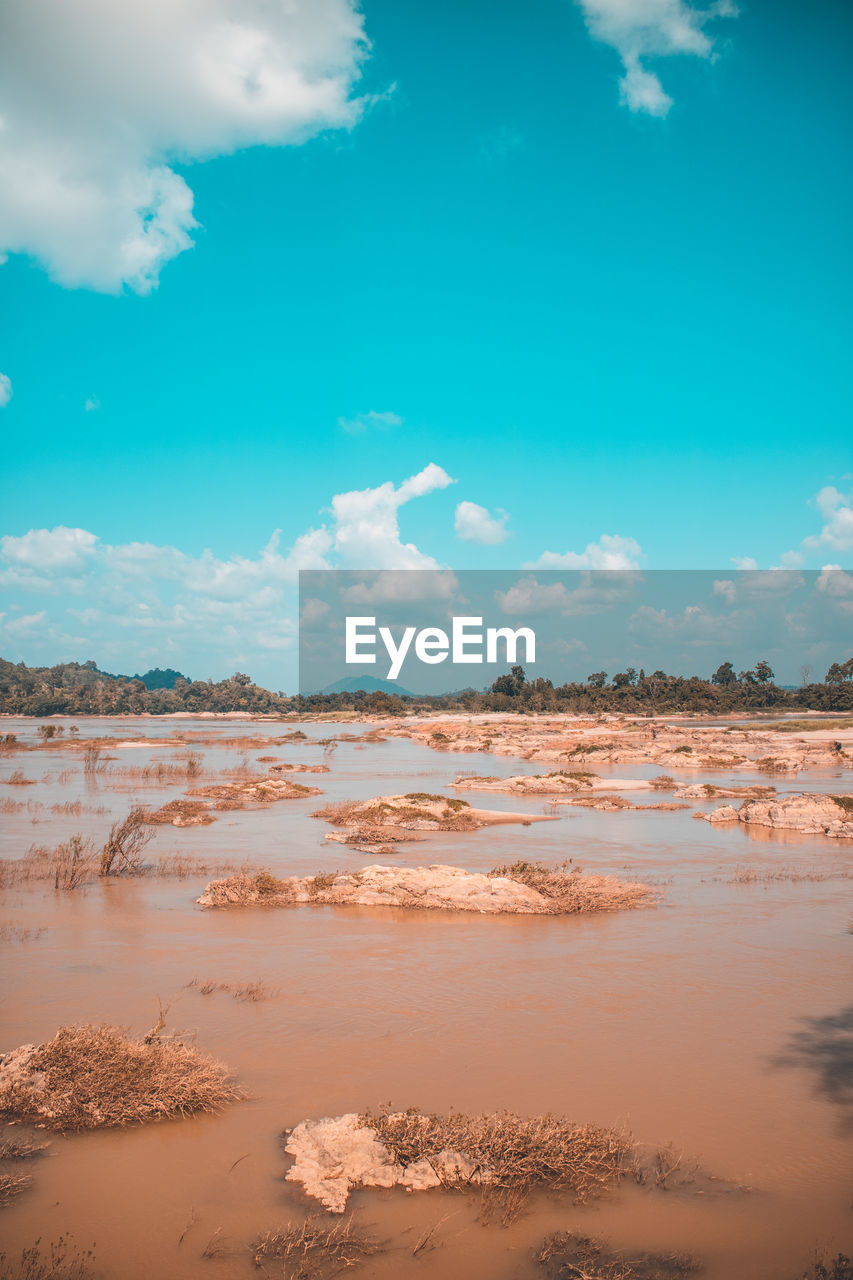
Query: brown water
x=672, y=1021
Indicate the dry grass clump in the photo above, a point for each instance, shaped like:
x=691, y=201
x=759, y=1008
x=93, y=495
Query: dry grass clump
x=19, y=1147
x=12, y=1185
x=18, y=779
x=314, y=1250
x=838, y=1268
x=250, y=992
x=566, y=1255
x=515, y=1154
x=570, y=891
x=10, y=806
x=99, y=1077
x=748, y=875
x=59, y=1260
x=181, y=866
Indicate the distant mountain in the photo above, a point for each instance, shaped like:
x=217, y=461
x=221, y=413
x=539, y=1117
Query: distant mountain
x=366, y=684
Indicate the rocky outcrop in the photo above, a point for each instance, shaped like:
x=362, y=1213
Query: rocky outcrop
x=580, y=743
x=426, y=888
x=418, y=811
x=710, y=791
x=810, y=814
x=336, y=1155
x=245, y=795
x=182, y=813
x=522, y=889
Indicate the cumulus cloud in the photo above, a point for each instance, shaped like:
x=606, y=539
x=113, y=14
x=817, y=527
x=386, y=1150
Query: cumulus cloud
x=595, y=593
x=143, y=602
x=836, y=510
x=476, y=524
x=5, y=390
x=367, y=530
x=49, y=550
x=744, y=563
x=364, y=421
x=643, y=29
x=92, y=403
x=610, y=552
x=100, y=100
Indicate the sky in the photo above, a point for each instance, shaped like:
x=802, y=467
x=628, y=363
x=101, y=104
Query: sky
x=561, y=285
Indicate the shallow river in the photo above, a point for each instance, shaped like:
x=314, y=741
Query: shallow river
x=720, y=1021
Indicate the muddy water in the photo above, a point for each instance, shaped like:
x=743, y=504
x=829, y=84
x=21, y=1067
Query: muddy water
x=677, y=1022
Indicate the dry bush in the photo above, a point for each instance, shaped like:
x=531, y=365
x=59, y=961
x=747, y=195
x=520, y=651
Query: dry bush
x=17, y=779
x=73, y=863
x=122, y=853
x=98, y=1077
x=11, y=806
x=69, y=865
x=12, y=1185
x=569, y=890
x=314, y=1250
x=344, y=813
x=321, y=881
x=59, y=1260
x=565, y=1255
x=516, y=1154
x=17, y=1147
x=93, y=761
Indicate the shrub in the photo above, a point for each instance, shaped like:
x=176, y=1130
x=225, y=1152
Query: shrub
x=515, y=1154
x=122, y=853
x=98, y=1077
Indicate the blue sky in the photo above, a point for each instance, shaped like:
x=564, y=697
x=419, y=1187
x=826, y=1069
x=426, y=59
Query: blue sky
x=590, y=260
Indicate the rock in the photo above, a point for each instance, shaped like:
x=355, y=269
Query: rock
x=726, y=813
x=336, y=1155
x=810, y=814
x=436, y=888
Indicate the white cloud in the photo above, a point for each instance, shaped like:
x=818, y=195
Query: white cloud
x=98, y=100
x=744, y=563
x=643, y=29
x=596, y=593
x=363, y=421
x=475, y=524
x=367, y=531
x=92, y=403
x=5, y=390
x=610, y=552
x=49, y=550
x=837, y=511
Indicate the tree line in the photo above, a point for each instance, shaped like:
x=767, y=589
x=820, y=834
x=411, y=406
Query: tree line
x=73, y=688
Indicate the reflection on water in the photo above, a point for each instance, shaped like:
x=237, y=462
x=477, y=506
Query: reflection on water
x=668, y=1020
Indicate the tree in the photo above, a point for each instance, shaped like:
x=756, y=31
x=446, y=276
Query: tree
x=597, y=679
x=725, y=674
x=511, y=684
x=763, y=672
